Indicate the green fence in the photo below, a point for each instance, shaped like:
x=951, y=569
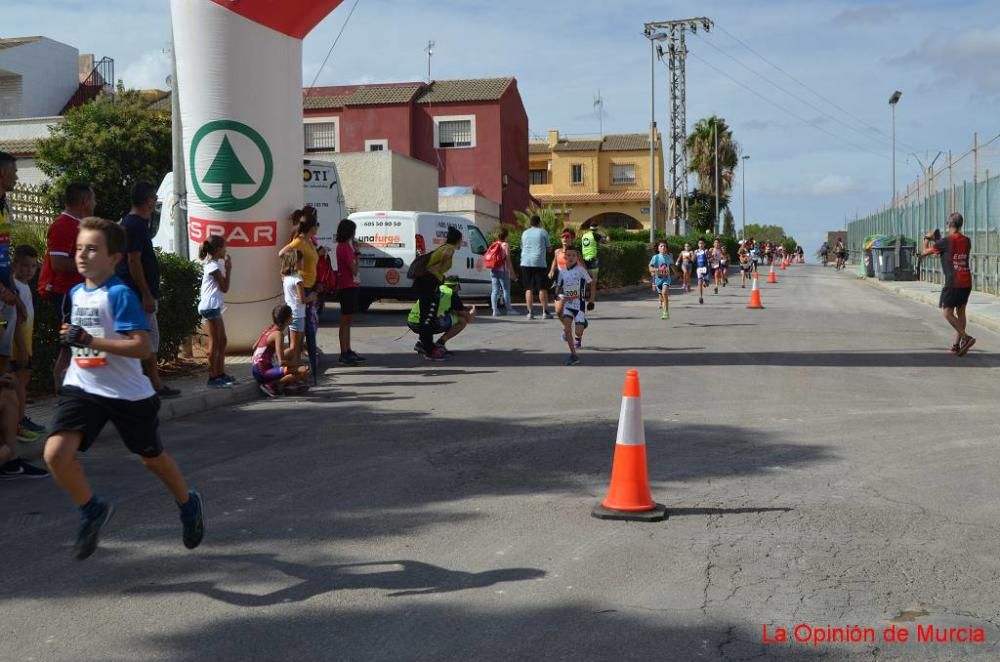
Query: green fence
x=979, y=203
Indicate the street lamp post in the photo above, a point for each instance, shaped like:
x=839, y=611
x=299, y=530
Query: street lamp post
x=893, y=100
x=746, y=157
x=653, y=38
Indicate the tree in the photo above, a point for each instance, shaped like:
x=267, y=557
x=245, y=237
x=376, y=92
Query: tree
x=552, y=221
x=112, y=142
x=701, y=152
x=728, y=223
x=773, y=233
x=701, y=211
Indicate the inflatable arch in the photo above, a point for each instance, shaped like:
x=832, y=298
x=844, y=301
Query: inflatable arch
x=239, y=75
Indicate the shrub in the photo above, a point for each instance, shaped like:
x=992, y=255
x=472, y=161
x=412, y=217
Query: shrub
x=180, y=287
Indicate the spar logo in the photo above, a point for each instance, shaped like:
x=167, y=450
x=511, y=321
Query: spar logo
x=240, y=234
x=230, y=148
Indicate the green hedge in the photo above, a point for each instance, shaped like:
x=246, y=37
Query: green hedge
x=178, y=316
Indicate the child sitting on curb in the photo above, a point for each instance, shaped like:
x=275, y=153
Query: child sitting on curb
x=271, y=368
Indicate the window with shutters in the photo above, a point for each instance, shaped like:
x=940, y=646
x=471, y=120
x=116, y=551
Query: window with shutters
x=538, y=177
x=381, y=145
x=322, y=136
x=623, y=174
x=576, y=174
x=452, y=132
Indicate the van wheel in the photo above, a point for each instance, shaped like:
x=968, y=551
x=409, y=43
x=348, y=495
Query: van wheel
x=364, y=303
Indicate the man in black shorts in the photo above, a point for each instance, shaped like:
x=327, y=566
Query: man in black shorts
x=954, y=250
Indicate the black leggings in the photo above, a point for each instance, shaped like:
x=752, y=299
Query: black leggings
x=428, y=294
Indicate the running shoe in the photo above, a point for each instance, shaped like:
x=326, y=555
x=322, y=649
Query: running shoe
x=665, y=315
x=419, y=348
x=701, y=300
x=548, y=316
x=955, y=348
x=357, y=357
x=268, y=390
x=966, y=344
x=441, y=346
x=436, y=355
x=578, y=342
x=90, y=528
x=168, y=392
x=26, y=436
x=29, y=424
x=530, y=316
x=218, y=382
x=716, y=290
x=347, y=360
x=562, y=336
x=230, y=379
x=194, y=524
x=572, y=360
x=18, y=468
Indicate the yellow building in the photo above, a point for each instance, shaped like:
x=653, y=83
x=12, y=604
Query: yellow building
x=598, y=181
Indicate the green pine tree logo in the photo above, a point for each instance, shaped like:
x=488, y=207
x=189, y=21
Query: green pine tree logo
x=227, y=170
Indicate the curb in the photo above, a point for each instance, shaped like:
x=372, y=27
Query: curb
x=197, y=403
x=930, y=299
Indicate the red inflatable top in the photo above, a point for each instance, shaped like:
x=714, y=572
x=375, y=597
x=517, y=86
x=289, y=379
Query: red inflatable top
x=292, y=17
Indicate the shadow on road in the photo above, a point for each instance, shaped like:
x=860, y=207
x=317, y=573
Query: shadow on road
x=682, y=512
x=401, y=577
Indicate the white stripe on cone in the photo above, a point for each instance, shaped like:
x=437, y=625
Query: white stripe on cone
x=631, y=431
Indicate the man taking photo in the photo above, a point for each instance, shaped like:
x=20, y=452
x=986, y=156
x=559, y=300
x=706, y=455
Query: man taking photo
x=954, y=250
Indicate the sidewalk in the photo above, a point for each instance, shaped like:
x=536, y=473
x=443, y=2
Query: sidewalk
x=983, y=309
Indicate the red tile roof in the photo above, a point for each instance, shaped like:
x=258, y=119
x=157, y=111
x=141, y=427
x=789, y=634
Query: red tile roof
x=620, y=196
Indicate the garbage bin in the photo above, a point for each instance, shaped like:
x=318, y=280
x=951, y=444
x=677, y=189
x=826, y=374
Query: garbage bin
x=869, y=263
x=893, y=260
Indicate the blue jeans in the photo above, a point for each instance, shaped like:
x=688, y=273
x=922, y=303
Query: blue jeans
x=501, y=283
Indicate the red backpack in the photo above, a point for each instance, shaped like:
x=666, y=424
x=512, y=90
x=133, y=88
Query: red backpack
x=494, y=257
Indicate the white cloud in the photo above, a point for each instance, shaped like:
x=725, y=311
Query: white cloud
x=834, y=185
x=150, y=70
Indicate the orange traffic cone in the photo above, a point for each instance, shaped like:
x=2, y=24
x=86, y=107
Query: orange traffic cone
x=629, y=497
x=772, y=277
x=755, y=302
x=783, y=265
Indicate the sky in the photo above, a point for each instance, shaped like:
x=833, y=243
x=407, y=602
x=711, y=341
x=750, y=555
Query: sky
x=804, y=85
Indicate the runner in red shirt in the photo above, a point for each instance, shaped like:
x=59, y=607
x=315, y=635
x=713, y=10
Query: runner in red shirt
x=954, y=249
x=59, y=274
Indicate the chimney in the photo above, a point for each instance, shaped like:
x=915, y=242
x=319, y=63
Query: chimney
x=553, y=137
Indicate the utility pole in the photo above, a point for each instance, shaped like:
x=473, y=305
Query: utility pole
x=746, y=157
x=653, y=38
x=179, y=210
x=599, y=105
x=715, y=134
x=430, y=53
x=893, y=100
x=677, y=50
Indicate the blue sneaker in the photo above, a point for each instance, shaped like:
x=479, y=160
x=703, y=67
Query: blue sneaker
x=230, y=379
x=194, y=524
x=86, y=537
x=218, y=382
x=572, y=360
x=29, y=424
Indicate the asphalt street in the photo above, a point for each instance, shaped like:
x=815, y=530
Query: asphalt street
x=825, y=461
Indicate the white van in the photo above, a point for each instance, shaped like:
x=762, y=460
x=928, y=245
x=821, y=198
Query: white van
x=320, y=188
x=390, y=240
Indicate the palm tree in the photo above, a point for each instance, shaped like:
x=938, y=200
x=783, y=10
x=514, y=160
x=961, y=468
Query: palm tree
x=701, y=156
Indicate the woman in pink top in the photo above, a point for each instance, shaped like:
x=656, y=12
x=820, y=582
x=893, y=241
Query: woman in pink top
x=348, y=284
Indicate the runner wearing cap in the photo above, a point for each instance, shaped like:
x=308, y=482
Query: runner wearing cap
x=452, y=319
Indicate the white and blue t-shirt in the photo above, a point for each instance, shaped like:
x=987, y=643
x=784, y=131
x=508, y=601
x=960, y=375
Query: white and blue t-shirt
x=108, y=311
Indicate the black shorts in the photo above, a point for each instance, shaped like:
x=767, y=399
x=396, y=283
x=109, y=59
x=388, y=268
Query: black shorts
x=136, y=421
x=955, y=297
x=348, y=298
x=535, y=279
x=592, y=264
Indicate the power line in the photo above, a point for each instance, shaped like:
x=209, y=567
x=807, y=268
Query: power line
x=783, y=109
x=806, y=87
x=822, y=112
x=334, y=44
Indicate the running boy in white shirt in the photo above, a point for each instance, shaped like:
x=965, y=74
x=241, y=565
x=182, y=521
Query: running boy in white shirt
x=660, y=270
x=105, y=382
x=570, y=286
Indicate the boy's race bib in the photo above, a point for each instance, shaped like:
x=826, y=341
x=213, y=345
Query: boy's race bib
x=88, y=357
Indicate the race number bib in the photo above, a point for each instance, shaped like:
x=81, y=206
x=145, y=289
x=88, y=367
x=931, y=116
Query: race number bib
x=571, y=293
x=88, y=357
x=702, y=271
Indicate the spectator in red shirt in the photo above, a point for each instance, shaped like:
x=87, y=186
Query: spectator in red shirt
x=59, y=274
x=348, y=285
x=954, y=249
